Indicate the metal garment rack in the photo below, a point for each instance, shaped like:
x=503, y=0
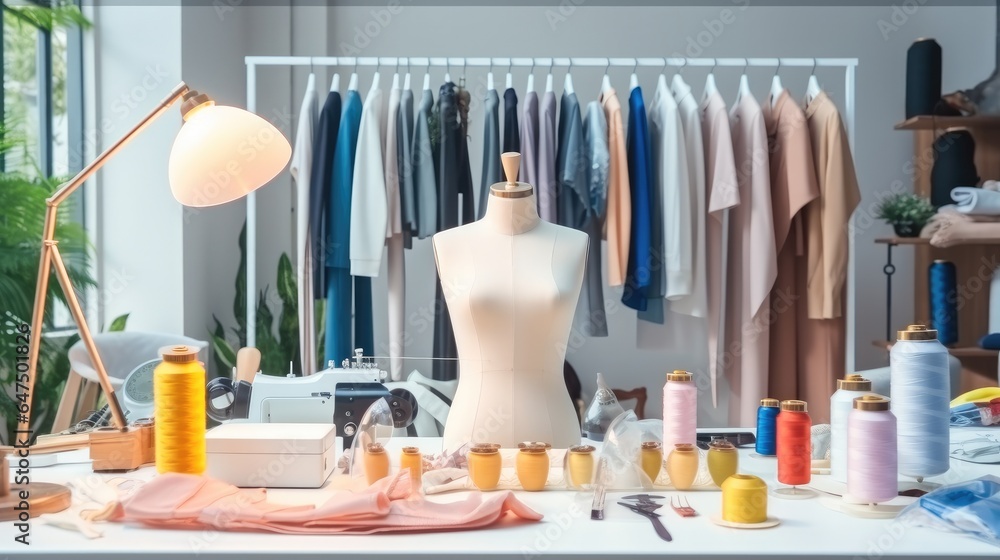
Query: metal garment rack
x=849, y=65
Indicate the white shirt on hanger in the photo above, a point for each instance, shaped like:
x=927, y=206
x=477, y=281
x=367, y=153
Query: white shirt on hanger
x=301, y=171
x=369, y=206
x=692, y=294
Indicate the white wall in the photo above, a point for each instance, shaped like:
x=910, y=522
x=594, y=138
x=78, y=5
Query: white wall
x=140, y=266
x=210, y=58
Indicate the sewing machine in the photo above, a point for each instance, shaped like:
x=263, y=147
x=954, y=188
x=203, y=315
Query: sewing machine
x=335, y=395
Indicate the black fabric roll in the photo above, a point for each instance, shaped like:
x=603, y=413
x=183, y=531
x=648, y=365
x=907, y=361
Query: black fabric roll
x=923, y=77
x=954, y=165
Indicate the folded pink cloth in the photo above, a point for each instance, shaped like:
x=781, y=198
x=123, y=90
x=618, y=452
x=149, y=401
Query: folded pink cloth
x=183, y=501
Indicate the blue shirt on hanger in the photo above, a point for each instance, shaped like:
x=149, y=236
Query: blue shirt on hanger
x=639, y=277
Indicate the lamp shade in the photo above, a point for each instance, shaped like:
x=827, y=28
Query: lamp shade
x=222, y=154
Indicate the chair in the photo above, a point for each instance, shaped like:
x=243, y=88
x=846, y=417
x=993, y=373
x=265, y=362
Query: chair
x=639, y=395
x=121, y=352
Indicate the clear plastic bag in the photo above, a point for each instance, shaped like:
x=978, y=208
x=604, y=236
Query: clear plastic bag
x=971, y=507
x=619, y=461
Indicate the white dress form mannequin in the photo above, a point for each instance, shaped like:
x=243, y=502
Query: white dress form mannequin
x=511, y=281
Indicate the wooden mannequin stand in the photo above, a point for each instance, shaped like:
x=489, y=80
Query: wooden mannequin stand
x=18, y=502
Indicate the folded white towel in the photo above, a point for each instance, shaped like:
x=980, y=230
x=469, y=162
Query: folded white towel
x=973, y=200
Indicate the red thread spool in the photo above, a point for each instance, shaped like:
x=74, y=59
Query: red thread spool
x=794, y=443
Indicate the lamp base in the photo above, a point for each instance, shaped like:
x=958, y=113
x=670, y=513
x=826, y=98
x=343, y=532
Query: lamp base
x=42, y=497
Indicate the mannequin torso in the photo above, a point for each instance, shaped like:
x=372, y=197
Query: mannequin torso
x=511, y=282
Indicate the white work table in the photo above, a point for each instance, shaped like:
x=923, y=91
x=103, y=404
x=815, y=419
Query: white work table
x=807, y=529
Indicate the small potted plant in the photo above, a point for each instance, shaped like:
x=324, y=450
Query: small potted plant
x=906, y=212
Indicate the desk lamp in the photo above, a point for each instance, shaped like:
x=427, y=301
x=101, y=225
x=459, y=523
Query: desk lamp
x=220, y=154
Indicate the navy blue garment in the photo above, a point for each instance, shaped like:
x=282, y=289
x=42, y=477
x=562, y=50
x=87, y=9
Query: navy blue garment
x=324, y=144
x=338, y=250
x=454, y=180
x=511, y=131
x=638, y=276
x=572, y=192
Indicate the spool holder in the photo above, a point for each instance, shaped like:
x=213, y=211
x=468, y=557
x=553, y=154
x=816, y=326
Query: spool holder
x=794, y=493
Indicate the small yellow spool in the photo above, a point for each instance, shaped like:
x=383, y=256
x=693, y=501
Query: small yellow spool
x=744, y=499
x=179, y=404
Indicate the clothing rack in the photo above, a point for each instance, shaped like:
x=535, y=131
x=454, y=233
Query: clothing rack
x=849, y=65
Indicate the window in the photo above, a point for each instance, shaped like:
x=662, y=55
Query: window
x=42, y=101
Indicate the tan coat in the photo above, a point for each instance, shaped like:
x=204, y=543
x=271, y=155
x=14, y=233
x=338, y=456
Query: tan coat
x=793, y=186
x=618, y=224
x=824, y=279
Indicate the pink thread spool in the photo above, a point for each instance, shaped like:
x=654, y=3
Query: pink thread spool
x=680, y=410
x=871, y=451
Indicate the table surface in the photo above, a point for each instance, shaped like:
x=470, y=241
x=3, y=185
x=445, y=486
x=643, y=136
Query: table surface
x=807, y=529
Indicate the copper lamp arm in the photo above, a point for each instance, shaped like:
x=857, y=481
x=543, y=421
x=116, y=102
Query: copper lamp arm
x=50, y=256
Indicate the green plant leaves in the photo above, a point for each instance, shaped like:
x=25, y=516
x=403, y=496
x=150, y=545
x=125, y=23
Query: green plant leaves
x=118, y=325
x=224, y=353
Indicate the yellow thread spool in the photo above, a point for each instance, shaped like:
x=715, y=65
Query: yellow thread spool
x=179, y=404
x=484, y=465
x=744, y=499
x=413, y=460
x=376, y=463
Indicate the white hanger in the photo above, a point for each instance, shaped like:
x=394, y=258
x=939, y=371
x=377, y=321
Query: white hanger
x=744, y=84
x=335, y=83
x=375, y=77
x=568, y=82
x=510, y=78
x=352, y=84
x=678, y=84
x=813, y=89
x=447, y=73
x=633, y=81
x=776, y=87
x=548, y=79
x=427, y=76
x=489, y=82
x=606, y=80
x=406, y=79
x=395, y=81
x=531, y=77
x=710, y=87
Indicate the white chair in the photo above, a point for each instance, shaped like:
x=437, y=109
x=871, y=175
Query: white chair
x=121, y=352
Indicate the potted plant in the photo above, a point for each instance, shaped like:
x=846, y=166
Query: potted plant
x=906, y=212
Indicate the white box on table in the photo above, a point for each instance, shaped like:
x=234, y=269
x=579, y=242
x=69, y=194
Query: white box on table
x=252, y=455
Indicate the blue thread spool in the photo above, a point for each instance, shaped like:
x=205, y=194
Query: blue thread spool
x=767, y=421
x=943, y=299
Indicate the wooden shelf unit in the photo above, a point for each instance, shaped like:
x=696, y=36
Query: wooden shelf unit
x=930, y=122
x=974, y=263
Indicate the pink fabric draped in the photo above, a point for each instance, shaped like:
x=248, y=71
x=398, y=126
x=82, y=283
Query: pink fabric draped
x=181, y=501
